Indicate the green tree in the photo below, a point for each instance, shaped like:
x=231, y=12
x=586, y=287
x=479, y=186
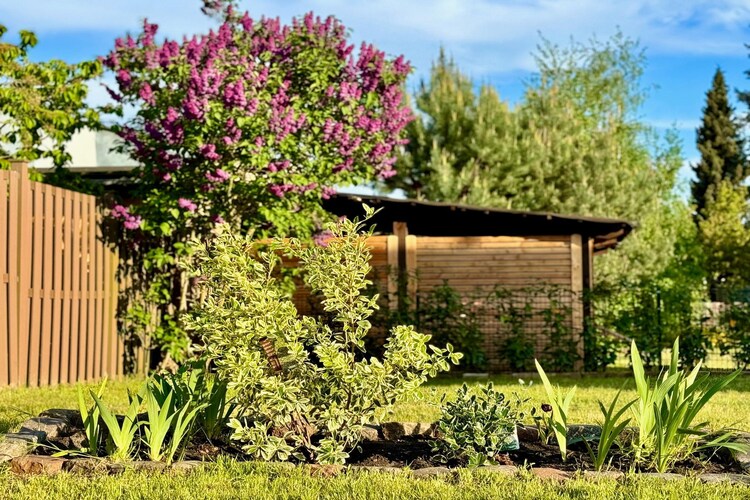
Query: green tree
x=458, y=151
x=42, y=104
x=725, y=235
x=720, y=145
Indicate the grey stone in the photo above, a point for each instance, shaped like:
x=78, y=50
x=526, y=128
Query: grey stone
x=72, y=417
x=12, y=448
x=548, y=473
x=475, y=376
x=665, y=476
x=430, y=472
x=502, y=470
x=37, y=464
x=184, y=466
x=85, y=465
x=148, y=466
x=744, y=460
x=578, y=433
x=116, y=468
x=396, y=430
x=28, y=436
x=375, y=469
x=370, y=433
x=605, y=474
x=527, y=434
x=720, y=478
x=52, y=427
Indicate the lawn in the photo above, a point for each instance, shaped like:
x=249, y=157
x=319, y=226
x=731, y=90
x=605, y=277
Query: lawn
x=227, y=479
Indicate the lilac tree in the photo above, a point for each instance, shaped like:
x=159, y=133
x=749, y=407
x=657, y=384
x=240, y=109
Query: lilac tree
x=250, y=125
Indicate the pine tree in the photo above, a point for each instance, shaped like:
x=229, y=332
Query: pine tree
x=720, y=145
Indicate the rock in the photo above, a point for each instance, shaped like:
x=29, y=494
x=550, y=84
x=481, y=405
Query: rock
x=370, y=433
x=605, y=474
x=476, y=376
x=321, y=470
x=29, y=437
x=430, y=472
x=12, y=448
x=743, y=459
x=665, y=476
x=74, y=441
x=37, y=464
x=84, y=465
x=148, y=466
x=72, y=417
x=374, y=469
x=116, y=468
x=721, y=478
x=548, y=473
x=578, y=433
x=527, y=434
x=185, y=466
x=396, y=430
x=51, y=427
x=502, y=470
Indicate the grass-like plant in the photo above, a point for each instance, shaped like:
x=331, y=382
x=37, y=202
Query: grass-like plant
x=612, y=427
x=121, y=437
x=666, y=412
x=90, y=419
x=557, y=418
x=157, y=426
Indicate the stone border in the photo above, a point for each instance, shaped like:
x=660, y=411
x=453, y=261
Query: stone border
x=16, y=448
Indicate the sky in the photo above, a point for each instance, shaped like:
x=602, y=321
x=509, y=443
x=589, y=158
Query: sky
x=491, y=40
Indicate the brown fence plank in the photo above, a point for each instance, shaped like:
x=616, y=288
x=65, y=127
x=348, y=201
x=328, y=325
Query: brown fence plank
x=67, y=285
x=99, y=368
x=78, y=341
x=14, y=320
x=57, y=301
x=84, y=319
x=4, y=279
x=48, y=266
x=25, y=234
x=91, y=307
x=34, y=292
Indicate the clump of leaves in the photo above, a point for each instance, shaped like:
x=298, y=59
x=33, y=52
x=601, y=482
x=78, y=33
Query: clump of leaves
x=554, y=416
x=666, y=412
x=476, y=427
x=612, y=427
x=303, y=378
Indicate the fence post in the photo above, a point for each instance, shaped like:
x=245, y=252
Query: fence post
x=20, y=334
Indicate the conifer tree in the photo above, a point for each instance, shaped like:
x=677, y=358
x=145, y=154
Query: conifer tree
x=720, y=145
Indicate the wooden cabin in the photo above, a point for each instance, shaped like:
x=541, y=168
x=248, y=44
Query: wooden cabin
x=421, y=245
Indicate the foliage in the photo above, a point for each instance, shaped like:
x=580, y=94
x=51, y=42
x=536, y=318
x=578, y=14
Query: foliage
x=735, y=320
x=517, y=348
x=600, y=348
x=252, y=125
x=452, y=318
x=476, y=425
x=556, y=417
x=299, y=375
x=121, y=435
x=576, y=143
x=665, y=412
x=42, y=103
x=561, y=348
x=611, y=428
x=720, y=145
x=725, y=235
x=90, y=419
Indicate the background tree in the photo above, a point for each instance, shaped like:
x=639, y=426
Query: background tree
x=42, y=104
x=720, y=146
x=250, y=125
x=725, y=235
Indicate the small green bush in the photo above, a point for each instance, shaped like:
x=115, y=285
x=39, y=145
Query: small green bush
x=476, y=426
x=303, y=385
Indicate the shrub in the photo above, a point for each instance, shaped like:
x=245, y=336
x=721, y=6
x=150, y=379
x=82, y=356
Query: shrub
x=300, y=377
x=476, y=426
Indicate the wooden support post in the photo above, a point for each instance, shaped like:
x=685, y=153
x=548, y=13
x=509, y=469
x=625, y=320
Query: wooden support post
x=576, y=289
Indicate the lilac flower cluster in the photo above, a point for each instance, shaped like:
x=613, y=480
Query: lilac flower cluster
x=130, y=222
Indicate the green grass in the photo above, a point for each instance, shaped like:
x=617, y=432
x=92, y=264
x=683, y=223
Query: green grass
x=229, y=479
x=727, y=409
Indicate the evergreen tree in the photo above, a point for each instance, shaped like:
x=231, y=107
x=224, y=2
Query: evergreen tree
x=720, y=145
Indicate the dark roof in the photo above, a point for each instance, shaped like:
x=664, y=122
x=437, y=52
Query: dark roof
x=426, y=218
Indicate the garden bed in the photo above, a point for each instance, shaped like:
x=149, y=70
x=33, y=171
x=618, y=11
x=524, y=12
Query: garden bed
x=390, y=448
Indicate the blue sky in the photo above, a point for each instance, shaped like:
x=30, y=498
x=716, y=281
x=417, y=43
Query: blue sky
x=492, y=40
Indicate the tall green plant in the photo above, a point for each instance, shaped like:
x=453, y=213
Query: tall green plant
x=121, y=436
x=612, y=427
x=557, y=418
x=90, y=419
x=666, y=412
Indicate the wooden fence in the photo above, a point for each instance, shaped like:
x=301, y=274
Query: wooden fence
x=58, y=286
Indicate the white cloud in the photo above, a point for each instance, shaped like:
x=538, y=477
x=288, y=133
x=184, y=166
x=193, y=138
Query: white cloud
x=488, y=37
